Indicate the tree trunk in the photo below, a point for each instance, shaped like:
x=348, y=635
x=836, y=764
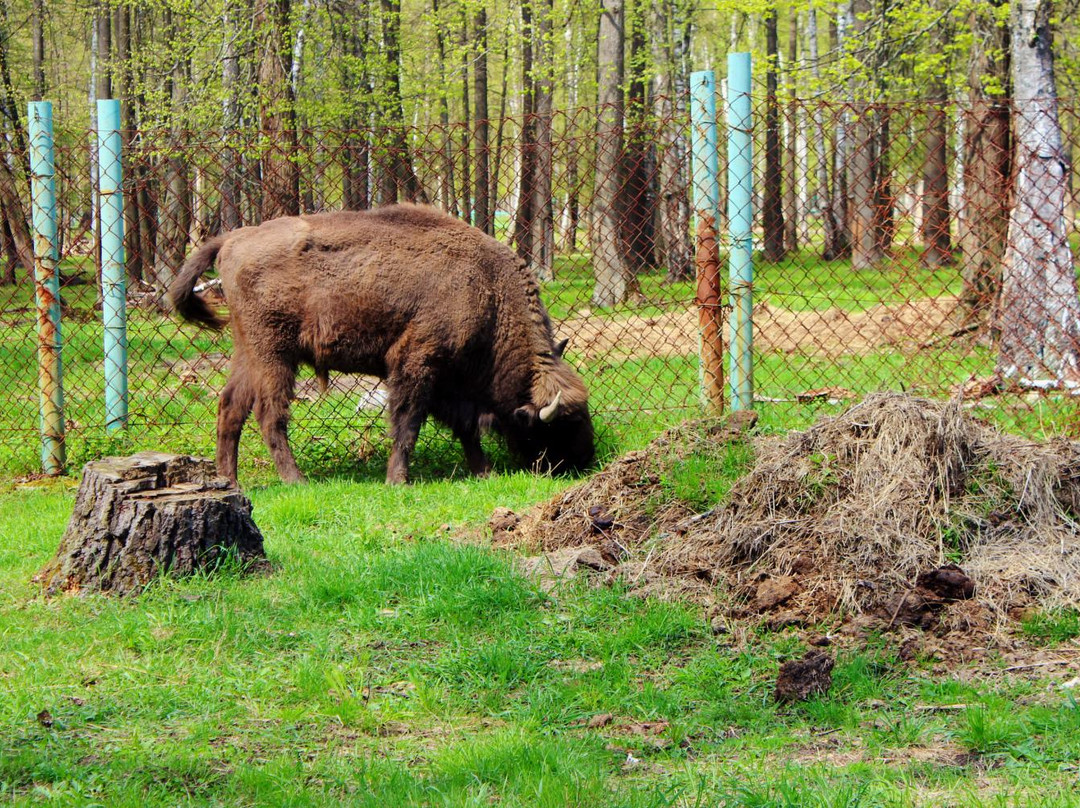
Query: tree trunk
x=37, y=48
x=124, y=80
x=773, y=206
x=138, y=517
x=481, y=194
x=466, y=171
x=18, y=247
x=542, y=237
x=987, y=168
x=822, y=193
x=884, y=220
x=1039, y=316
x=936, y=220
x=447, y=192
x=523, y=227
x=230, y=82
x=791, y=130
x=670, y=43
x=614, y=279
x=639, y=158
x=174, y=213
x=841, y=155
x=280, y=175
x=862, y=184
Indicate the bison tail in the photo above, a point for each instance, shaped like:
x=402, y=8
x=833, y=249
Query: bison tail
x=182, y=296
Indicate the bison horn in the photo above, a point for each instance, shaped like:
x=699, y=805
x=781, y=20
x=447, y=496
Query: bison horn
x=548, y=413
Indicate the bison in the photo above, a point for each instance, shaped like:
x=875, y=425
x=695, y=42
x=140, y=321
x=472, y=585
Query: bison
x=449, y=317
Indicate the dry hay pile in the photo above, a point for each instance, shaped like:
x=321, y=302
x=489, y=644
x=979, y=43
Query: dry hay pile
x=901, y=508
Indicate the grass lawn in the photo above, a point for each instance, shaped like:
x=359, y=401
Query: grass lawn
x=391, y=658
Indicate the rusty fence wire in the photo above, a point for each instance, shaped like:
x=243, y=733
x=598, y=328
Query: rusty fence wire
x=881, y=233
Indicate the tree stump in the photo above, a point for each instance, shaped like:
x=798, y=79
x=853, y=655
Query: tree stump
x=140, y=516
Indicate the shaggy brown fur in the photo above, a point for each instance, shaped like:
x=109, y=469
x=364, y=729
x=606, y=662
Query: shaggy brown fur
x=448, y=316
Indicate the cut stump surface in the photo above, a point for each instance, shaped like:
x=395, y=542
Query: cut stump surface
x=140, y=516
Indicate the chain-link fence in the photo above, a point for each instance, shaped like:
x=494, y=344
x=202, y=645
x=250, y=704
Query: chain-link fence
x=880, y=236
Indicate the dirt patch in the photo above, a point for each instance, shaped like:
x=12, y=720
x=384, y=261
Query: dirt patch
x=898, y=514
x=832, y=332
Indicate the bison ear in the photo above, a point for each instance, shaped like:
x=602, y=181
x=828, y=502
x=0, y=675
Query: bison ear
x=525, y=416
x=560, y=346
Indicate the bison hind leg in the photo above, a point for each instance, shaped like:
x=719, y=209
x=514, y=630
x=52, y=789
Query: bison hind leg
x=234, y=406
x=272, y=412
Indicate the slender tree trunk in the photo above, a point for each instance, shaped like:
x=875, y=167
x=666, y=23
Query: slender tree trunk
x=791, y=130
x=37, y=47
x=466, y=171
x=839, y=31
x=773, y=206
x=356, y=176
x=481, y=193
x=17, y=246
x=174, y=214
x=864, y=189
x=936, y=219
x=615, y=280
x=277, y=113
x=639, y=157
x=570, y=219
x=230, y=81
x=523, y=228
x=822, y=193
x=670, y=43
x=988, y=167
x=496, y=164
x=143, y=180
x=124, y=89
x=884, y=220
x=542, y=237
x=447, y=192
x=1039, y=316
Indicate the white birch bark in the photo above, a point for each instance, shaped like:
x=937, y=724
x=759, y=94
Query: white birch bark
x=1039, y=317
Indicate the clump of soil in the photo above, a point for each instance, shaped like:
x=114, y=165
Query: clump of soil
x=900, y=511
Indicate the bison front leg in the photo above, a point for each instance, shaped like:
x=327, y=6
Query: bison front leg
x=272, y=412
x=479, y=465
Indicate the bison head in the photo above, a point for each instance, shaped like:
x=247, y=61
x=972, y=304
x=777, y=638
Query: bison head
x=553, y=432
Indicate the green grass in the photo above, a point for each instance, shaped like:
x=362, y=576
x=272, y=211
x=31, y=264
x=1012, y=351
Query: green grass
x=383, y=662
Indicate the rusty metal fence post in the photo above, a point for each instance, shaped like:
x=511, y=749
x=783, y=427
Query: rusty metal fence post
x=706, y=183
x=47, y=286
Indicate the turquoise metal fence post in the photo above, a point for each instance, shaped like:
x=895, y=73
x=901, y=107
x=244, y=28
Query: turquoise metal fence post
x=706, y=181
x=47, y=286
x=740, y=226
x=113, y=290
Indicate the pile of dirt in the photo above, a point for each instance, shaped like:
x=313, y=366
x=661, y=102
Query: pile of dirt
x=898, y=512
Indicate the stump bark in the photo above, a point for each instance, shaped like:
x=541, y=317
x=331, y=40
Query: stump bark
x=138, y=517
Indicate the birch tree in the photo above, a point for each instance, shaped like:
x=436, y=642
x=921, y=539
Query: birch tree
x=1039, y=317
x=614, y=279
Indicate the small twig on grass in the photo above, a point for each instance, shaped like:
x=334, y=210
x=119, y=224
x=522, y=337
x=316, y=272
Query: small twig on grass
x=1038, y=665
x=822, y=733
x=939, y=708
x=644, y=566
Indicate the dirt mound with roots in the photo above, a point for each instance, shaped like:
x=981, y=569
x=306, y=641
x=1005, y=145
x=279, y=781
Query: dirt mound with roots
x=898, y=512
